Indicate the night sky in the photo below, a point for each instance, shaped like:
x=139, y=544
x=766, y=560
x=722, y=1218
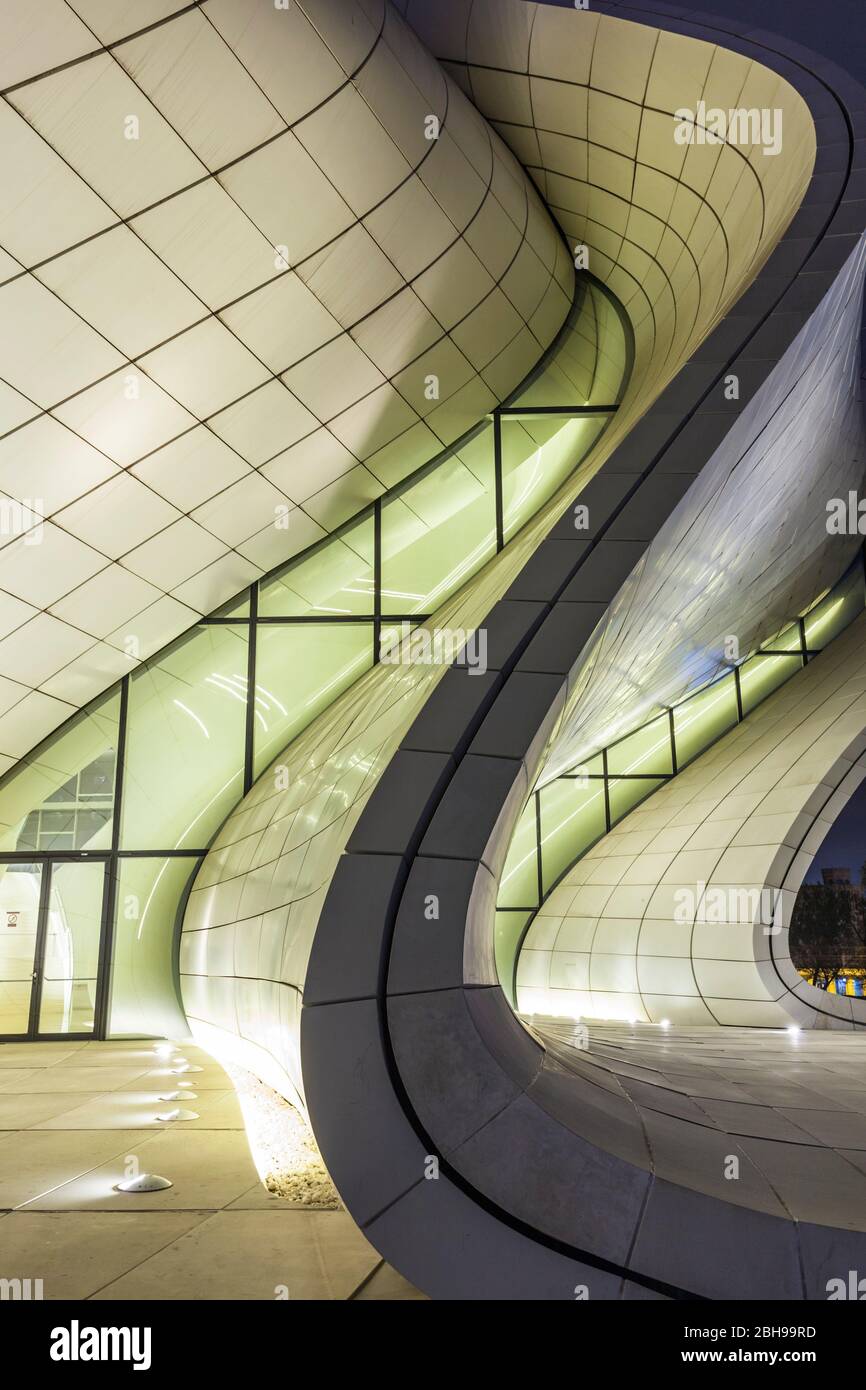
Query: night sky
x=845, y=845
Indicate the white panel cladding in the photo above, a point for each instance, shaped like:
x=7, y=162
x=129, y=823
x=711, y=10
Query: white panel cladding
x=706, y=938
x=186, y=218
x=747, y=547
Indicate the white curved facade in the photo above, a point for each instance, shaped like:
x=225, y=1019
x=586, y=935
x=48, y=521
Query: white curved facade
x=252, y=915
x=682, y=911
x=748, y=547
x=231, y=263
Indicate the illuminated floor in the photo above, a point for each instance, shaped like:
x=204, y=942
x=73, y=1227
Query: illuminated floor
x=791, y=1108
x=72, y=1115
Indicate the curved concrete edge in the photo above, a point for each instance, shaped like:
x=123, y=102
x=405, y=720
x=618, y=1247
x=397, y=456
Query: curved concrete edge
x=396, y=1078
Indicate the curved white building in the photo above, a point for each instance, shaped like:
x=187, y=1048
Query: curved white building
x=427, y=647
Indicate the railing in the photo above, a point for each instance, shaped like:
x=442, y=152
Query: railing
x=563, y=819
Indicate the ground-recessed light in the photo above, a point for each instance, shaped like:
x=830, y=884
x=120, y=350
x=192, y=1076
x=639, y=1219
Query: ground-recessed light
x=169, y=1116
x=179, y=1095
x=145, y=1182
x=792, y=1030
x=164, y=1049
x=187, y=1066
x=665, y=1023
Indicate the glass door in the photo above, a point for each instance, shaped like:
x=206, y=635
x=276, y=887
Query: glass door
x=69, y=948
x=21, y=901
x=51, y=944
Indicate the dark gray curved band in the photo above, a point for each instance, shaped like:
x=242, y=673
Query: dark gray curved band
x=403, y=1060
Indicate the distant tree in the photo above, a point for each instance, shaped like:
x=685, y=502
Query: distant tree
x=828, y=931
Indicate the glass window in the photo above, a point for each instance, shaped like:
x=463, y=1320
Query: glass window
x=518, y=886
x=72, y=934
x=648, y=750
x=437, y=533
x=336, y=579
x=507, y=931
x=626, y=792
x=299, y=671
x=703, y=718
x=143, y=996
x=590, y=767
x=20, y=886
x=539, y=453
x=788, y=640
x=183, y=770
x=833, y=613
x=572, y=819
x=761, y=675
x=238, y=608
x=61, y=797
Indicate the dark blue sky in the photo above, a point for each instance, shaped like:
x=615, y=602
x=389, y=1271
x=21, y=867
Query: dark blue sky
x=845, y=845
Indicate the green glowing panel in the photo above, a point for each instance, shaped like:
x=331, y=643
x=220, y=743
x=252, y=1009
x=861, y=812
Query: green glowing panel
x=788, y=640
x=648, y=751
x=833, y=614
x=185, y=741
x=627, y=792
x=761, y=675
x=518, y=886
x=507, y=932
x=20, y=887
x=238, y=608
x=591, y=767
x=572, y=819
x=61, y=797
x=150, y=898
x=436, y=534
x=335, y=580
x=72, y=931
x=538, y=454
x=300, y=670
x=703, y=718
x=610, y=365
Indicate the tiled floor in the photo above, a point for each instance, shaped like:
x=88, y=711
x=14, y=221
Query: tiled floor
x=75, y=1117
x=682, y=1102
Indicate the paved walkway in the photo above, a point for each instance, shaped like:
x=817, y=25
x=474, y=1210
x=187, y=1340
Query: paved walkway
x=74, y=1116
x=681, y=1102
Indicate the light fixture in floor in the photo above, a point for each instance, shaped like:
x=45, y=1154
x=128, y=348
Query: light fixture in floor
x=145, y=1182
x=164, y=1049
x=179, y=1095
x=187, y=1066
x=178, y=1113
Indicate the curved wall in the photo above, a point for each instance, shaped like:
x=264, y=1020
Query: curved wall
x=252, y=914
x=586, y=99
x=682, y=911
x=222, y=349
x=586, y=102
x=748, y=547
x=409, y=1049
